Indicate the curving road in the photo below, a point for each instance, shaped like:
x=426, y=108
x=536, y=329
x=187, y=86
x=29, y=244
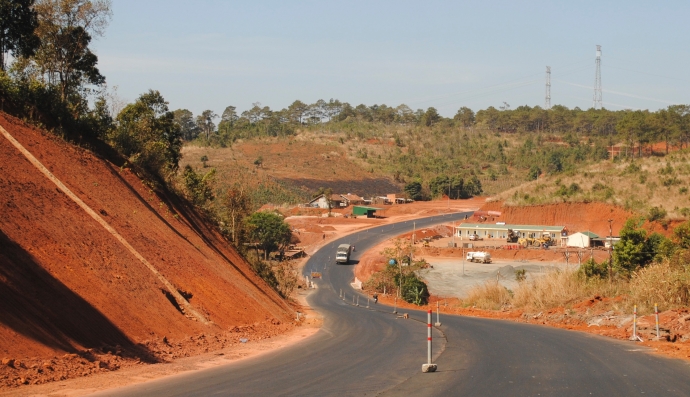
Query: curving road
x=362, y=351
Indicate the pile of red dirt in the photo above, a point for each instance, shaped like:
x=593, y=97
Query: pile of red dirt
x=74, y=300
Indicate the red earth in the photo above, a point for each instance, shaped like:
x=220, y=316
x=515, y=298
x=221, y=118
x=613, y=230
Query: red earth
x=74, y=301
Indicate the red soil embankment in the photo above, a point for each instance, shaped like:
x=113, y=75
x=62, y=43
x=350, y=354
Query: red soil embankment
x=68, y=286
x=577, y=217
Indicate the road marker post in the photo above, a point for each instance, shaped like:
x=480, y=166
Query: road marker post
x=357, y=300
x=438, y=320
x=634, y=336
x=428, y=367
x=341, y=293
x=353, y=299
x=395, y=305
x=656, y=314
x=367, y=302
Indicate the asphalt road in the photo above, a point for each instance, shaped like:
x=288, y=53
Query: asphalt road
x=362, y=351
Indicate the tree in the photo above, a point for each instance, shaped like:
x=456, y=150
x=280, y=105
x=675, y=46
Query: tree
x=634, y=127
x=430, y=117
x=629, y=253
x=65, y=30
x=268, y=230
x=533, y=173
x=148, y=135
x=229, y=115
x=238, y=205
x=18, y=22
x=414, y=190
x=681, y=235
x=185, y=119
x=465, y=116
x=297, y=110
x=205, y=122
x=198, y=186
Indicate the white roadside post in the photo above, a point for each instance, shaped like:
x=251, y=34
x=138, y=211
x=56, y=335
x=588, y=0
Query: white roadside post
x=438, y=320
x=634, y=336
x=358, y=300
x=656, y=314
x=428, y=367
x=395, y=305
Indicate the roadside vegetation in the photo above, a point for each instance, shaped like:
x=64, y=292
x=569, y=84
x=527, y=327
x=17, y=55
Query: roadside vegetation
x=401, y=276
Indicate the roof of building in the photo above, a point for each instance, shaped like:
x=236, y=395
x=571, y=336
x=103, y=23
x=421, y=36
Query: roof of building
x=352, y=197
x=522, y=228
x=588, y=234
x=334, y=197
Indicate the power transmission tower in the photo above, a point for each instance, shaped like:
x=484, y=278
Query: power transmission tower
x=597, y=80
x=547, y=101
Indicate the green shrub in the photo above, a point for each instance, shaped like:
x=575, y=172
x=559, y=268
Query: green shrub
x=656, y=214
x=592, y=269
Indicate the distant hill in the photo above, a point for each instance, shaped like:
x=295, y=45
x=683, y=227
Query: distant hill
x=656, y=187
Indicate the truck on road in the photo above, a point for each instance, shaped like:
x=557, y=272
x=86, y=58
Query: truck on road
x=479, y=256
x=342, y=255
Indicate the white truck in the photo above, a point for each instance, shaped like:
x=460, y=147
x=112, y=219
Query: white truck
x=479, y=256
x=342, y=255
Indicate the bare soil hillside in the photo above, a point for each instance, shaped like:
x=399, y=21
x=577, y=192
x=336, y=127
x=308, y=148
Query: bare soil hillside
x=304, y=164
x=74, y=300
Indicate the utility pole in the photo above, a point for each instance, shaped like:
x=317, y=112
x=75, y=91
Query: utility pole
x=597, y=80
x=610, y=251
x=547, y=101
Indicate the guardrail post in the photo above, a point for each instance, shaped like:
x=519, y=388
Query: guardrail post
x=428, y=367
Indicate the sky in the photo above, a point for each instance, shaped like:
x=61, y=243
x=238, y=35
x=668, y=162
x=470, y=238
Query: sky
x=444, y=54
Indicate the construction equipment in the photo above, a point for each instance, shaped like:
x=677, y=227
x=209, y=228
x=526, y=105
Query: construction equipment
x=479, y=256
x=513, y=236
x=544, y=239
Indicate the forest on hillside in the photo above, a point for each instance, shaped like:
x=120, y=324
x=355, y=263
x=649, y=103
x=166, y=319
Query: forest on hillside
x=487, y=151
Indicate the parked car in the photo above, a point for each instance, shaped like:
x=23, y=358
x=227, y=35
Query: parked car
x=475, y=237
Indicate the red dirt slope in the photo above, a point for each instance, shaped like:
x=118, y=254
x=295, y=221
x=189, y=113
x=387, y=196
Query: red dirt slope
x=67, y=285
x=577, y=217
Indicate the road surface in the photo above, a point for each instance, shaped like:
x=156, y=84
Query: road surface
x=362, y=351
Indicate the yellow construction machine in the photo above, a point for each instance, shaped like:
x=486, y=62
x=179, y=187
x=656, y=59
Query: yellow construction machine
x=545, y=238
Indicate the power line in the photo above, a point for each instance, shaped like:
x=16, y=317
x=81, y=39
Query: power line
x=620, y=93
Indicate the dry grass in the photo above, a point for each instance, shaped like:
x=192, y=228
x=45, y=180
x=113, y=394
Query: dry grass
x=489, y=296
x=561, y=289
x=666, y=284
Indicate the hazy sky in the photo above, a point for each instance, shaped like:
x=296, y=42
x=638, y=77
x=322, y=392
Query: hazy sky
x=446, y=54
